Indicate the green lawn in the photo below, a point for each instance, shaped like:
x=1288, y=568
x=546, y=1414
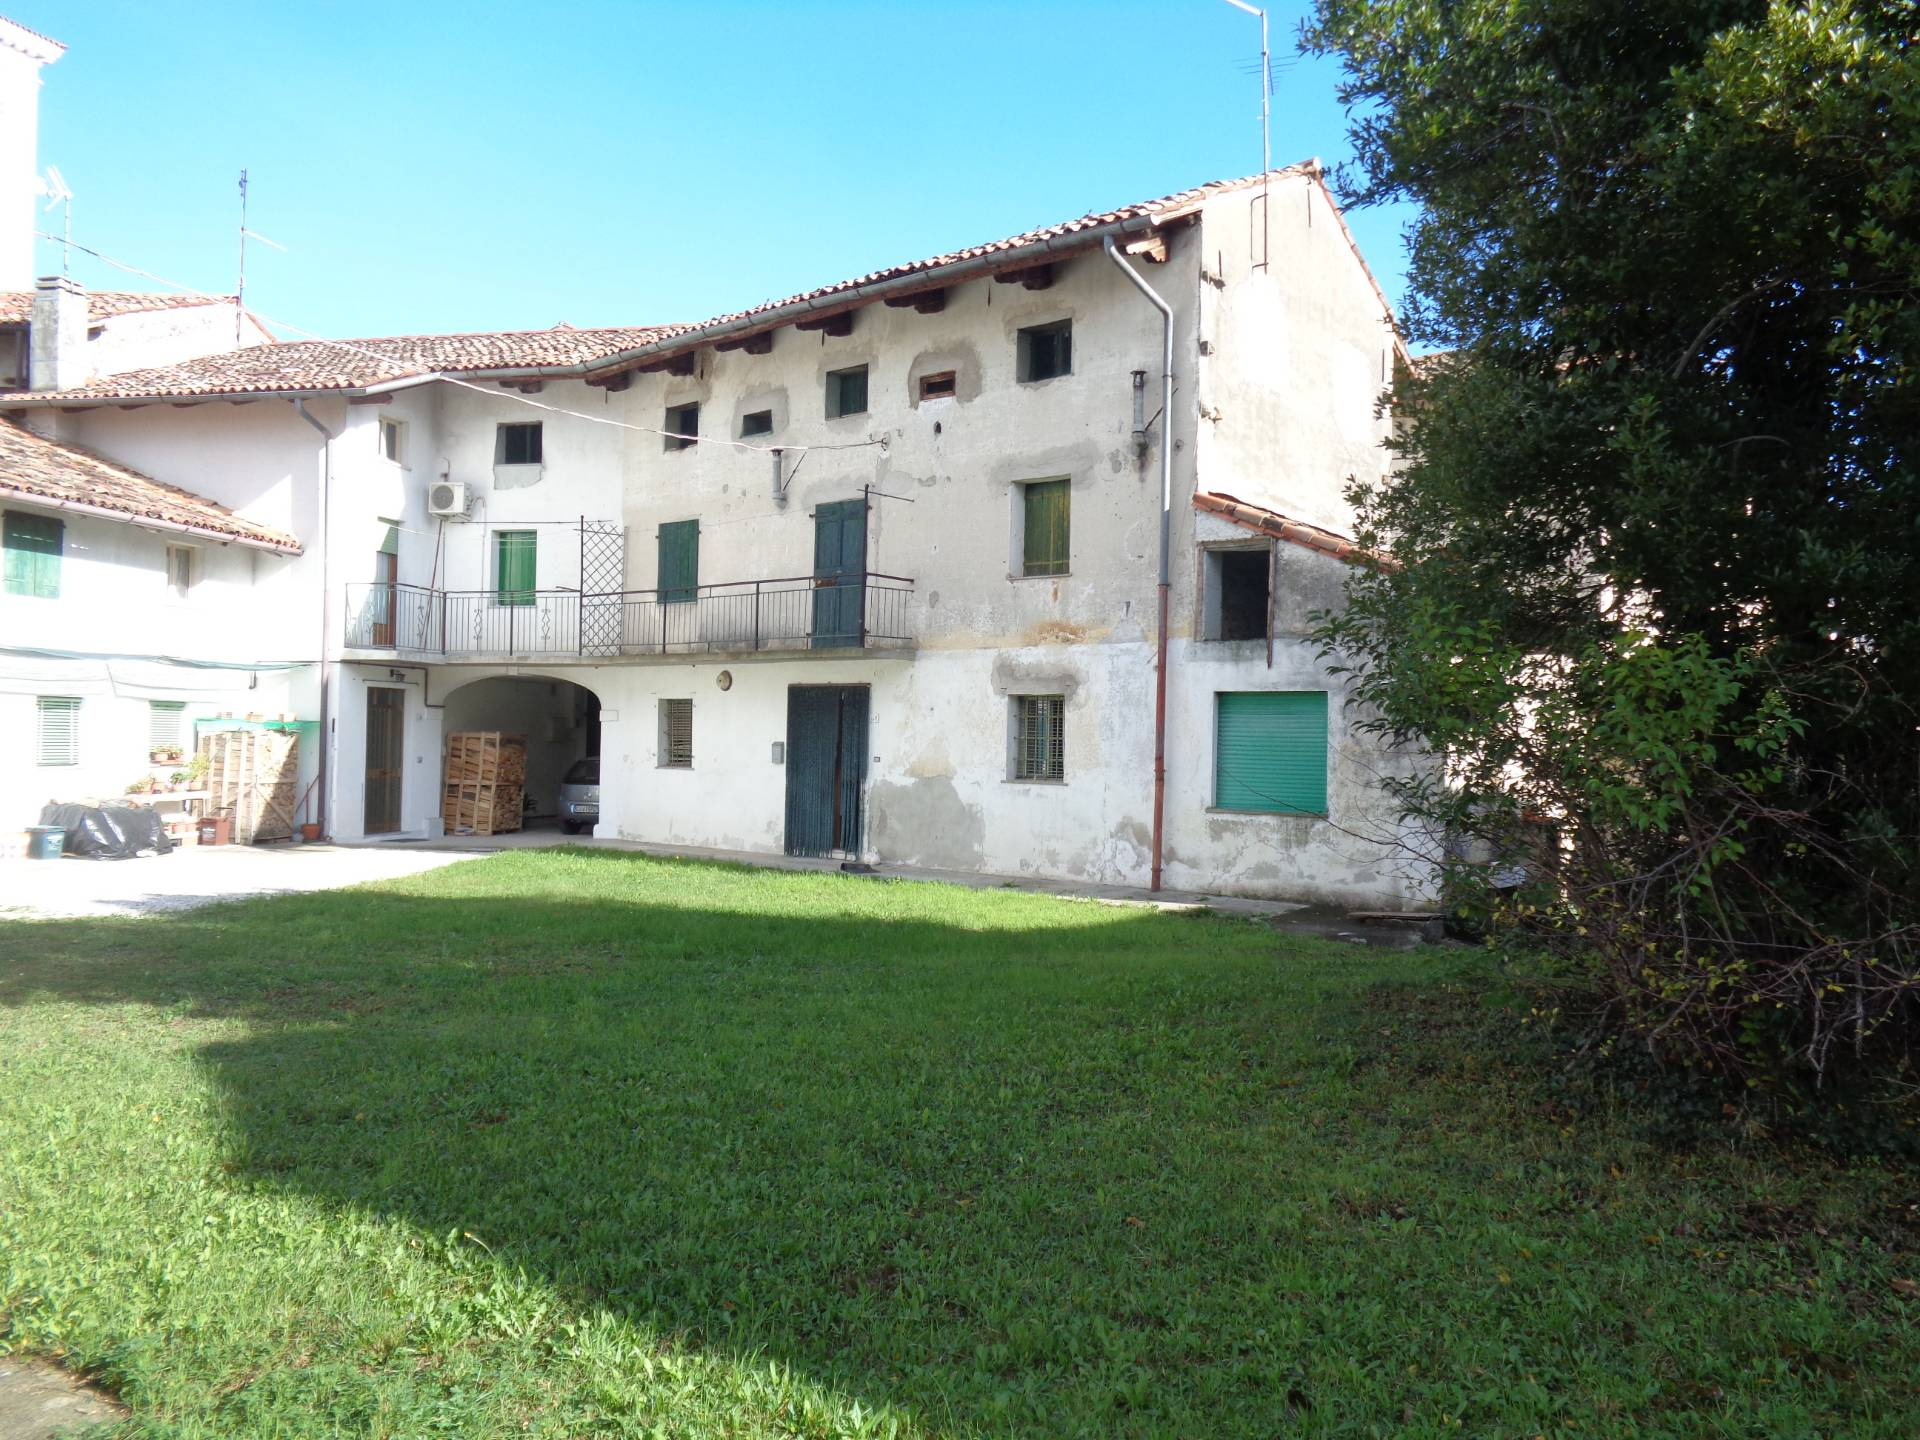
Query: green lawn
x=580, y=1143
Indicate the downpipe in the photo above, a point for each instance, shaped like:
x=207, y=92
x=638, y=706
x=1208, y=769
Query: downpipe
x=322, y=768
x=1166, y=531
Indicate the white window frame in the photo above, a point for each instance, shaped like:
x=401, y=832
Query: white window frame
x=49, y=705
x=397, y=428
x=185, y=574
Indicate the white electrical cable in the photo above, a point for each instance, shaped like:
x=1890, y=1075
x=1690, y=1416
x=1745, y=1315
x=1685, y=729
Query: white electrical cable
x=474, y=386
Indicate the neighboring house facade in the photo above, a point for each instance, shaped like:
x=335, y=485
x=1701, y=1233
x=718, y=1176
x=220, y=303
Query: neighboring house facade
x=871, y=571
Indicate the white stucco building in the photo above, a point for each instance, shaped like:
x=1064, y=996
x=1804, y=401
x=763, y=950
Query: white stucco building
x=896, y=595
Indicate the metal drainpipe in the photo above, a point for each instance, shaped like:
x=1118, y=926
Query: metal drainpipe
x=326, y=610
x=1166, y=530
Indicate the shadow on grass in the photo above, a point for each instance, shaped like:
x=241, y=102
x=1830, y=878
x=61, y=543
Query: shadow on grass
x=1000, y=1162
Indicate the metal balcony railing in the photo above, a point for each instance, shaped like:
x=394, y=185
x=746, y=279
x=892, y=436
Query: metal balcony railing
x=862, y=610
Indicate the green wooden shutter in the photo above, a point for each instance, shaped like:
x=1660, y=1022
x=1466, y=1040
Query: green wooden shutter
x=1270, y=751
x=33, y=545
x=1048, y=508
x=515, y=565
x=679, y=562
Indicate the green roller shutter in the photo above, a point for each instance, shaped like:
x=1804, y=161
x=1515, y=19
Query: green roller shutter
x=679, y=562
x=33, y=544
x=515, y=557
x=1048, y=512
x=1270, y=751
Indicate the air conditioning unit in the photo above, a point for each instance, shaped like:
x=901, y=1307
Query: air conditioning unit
x=450, y=497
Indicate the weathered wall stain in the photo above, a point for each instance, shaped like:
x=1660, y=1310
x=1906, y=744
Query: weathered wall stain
x=925, y=822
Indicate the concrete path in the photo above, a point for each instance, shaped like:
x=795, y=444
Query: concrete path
x=38, y=1402
x=195, y=875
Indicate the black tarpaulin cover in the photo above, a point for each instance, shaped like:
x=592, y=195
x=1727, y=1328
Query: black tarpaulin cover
x=109, y=832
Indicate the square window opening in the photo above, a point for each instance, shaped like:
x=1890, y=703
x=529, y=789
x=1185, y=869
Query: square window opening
x=847, y=392
x=518, y=444
x=941, y=385
x=57, y=741
x=1045, y=351
x=683, y=427
x=757, y=422
x=1045, y=517
x=676, y=734
x=1039, y=738
x=1235, y=597
x=1270, y=751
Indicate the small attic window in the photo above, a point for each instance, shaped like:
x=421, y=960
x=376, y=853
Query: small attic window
x=1235, y=597
x=757, y=422
x=938, y=386
x=847, y=392
x=683, y=426
x=1046, y=351
x=517, y=444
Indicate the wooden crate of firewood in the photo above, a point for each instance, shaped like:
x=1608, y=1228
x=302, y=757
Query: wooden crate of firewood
x=484, y=783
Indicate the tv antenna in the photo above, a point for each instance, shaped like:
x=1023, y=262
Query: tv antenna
x=1266, y=142
x=240, y=289
x=53, y=185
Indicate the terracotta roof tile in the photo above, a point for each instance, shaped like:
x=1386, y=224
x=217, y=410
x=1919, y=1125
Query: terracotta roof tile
x=1282, y=527
x=16, y=306
x=33, y=467
x=318, y=365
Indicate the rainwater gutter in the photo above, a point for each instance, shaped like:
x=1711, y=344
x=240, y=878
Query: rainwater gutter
x=1166, y=527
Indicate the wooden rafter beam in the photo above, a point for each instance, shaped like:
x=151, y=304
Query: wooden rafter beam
x=760, y=344
x=1033, y=277
x=840, y=324
x=1152, y=248
x=927, y=302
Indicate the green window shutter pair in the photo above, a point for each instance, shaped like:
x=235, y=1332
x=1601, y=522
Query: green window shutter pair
x=515, y=565
x=1048, y=508
x=1270, y=751
x=679, y=562
x=33, y=546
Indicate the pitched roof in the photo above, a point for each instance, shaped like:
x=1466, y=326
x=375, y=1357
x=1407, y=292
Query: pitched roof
x=310, y=366
x=36, y=469
x=16, y=306
x=306, y=366
x=1282, y=527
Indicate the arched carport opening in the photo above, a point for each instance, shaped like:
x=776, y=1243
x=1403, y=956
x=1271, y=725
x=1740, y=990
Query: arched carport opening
x=561, y=722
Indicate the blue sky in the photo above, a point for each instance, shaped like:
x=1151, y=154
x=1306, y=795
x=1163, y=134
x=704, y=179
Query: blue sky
x=437, y=166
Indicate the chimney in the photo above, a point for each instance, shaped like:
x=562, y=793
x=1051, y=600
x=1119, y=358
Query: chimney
x=58, y=335
x=22, y=53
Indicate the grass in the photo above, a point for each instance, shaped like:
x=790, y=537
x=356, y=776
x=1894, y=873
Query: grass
x=580, y=1143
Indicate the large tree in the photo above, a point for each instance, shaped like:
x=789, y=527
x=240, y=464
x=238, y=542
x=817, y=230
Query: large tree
x=1657, y=526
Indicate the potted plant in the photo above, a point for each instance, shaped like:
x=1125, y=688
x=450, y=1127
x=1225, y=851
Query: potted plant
x=165, y=754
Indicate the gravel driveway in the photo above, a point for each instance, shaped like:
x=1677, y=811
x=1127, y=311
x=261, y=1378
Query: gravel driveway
x=197, y=875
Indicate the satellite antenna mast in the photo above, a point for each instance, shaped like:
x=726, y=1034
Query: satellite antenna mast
x=1266, y=142
x=240, y=289
x=54, y=187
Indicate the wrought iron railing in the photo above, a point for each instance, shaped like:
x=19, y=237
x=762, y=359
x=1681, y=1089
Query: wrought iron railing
x=862, y=610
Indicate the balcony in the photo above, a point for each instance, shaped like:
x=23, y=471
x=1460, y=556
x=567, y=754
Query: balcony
x=857, y=611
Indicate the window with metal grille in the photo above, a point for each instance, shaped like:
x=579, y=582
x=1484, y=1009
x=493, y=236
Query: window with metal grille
x=518, y=444
x=1270, y=751
x=1039, y=737
x=847, y=392
x=515, y=566
x=165, y=722
x=757, y=422
x=59, y=733
x=1045, y=351
x=1045, y=516
x=683, y=427
x=676, y=734
x=679, y=562
x=33, y=545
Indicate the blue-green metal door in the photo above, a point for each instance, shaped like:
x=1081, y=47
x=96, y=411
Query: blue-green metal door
x=839, y=573
x=826, y=768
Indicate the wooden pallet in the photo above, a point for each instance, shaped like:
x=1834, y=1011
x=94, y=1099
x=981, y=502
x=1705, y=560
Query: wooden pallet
x=484, y=783
x=253, y=778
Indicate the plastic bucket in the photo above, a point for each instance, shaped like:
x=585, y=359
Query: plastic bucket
x=45, y=842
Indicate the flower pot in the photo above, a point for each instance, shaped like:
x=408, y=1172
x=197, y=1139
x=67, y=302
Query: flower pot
x=310, y=833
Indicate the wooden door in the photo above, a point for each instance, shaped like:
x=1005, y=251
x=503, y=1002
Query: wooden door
x=826, y=768
x=839, y=573
x=386, y=574
x=386, y=715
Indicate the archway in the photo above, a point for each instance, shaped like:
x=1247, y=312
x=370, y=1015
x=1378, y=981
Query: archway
x=561, y=722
